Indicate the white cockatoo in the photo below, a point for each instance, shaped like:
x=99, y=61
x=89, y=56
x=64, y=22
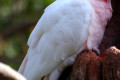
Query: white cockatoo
x=66, y=28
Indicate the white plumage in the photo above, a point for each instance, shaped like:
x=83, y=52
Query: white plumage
x=62, y=32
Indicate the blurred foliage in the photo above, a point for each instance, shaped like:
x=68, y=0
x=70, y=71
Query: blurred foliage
x=17, y=20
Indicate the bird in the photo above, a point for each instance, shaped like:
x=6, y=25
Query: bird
x=66, y=28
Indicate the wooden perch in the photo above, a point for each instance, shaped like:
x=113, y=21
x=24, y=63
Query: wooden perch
x=88, y=66
x=7, y=73
x=111, y=64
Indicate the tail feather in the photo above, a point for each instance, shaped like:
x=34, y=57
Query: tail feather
x=23, y=65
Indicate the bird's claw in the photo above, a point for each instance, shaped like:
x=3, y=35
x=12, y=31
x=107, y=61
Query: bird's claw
x=96, y=51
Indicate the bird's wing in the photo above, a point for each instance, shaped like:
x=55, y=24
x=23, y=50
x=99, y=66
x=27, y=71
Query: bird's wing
x=62, y=29
x=47, y=21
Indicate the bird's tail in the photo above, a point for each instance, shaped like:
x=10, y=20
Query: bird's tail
x=22, y=67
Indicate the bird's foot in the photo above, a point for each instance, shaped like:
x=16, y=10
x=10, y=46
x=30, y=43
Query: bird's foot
x=96, y=51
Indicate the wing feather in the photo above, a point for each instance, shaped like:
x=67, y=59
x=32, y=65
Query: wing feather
x=62, y=30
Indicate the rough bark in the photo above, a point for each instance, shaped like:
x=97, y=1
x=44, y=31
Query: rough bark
x=111, y=64
x=88, y=66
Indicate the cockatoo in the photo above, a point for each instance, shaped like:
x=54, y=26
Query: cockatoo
x=66, y=28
